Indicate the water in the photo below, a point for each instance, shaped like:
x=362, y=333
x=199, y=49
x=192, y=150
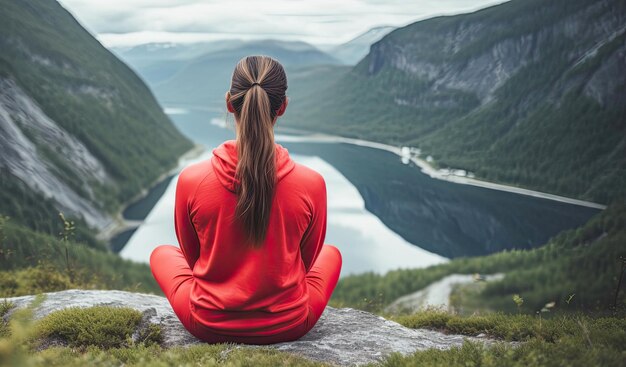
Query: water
x=443, y=217
x=382, y=214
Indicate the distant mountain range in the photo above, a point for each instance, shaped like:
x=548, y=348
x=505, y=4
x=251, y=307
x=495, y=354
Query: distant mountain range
x=528, y=92
x=79, y=131
x=157, y=62
x=199, y=73
x=203, y=80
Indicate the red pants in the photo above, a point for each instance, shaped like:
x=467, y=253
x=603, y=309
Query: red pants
x=171, y=271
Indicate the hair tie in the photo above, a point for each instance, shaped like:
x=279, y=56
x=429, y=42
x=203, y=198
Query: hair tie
x=255, y=83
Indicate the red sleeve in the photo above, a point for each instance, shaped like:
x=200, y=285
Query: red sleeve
x=314, y=237
x=185, y=231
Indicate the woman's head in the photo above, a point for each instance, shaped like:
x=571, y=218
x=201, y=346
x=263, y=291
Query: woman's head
x=256, y=97
x=254, y=75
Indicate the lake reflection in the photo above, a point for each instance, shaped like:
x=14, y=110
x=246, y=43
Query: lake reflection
x=364, y=241
x=383, y=214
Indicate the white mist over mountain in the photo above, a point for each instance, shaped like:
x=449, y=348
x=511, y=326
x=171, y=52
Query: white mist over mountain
x=321, y=22
x=354, y=50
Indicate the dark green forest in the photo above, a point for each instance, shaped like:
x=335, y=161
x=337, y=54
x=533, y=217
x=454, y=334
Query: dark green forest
x=541, y=129
x=584, y=262
x=91, y=94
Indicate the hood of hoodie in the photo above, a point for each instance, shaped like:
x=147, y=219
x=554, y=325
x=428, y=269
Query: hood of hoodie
x=224, y=163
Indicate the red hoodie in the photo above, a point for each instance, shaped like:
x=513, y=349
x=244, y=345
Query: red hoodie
x=240, y=290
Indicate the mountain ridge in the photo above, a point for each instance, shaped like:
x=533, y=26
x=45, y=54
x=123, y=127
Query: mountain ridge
x=215, y=69
x=84, y=132
x=351, y=52
x=524, y=93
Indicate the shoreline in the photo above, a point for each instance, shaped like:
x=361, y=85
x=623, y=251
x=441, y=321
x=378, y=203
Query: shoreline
x=120, y=224
x=427, y=168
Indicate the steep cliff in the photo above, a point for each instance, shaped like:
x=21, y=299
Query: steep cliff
x=79, y=131
x=527, y=92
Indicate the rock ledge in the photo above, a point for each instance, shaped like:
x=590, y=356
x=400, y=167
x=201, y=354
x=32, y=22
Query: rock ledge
x=342, y=336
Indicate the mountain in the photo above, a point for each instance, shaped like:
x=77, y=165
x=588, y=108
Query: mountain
x=204, y=80
x=351, y=52
x=172, y=51
x=157, y=62
x=79, y=131
x=528, y=92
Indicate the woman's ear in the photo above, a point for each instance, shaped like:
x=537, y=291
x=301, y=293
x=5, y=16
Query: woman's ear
x=283, y=107
x=229, y=105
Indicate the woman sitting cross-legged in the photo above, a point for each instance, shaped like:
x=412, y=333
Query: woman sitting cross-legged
x=252, y=266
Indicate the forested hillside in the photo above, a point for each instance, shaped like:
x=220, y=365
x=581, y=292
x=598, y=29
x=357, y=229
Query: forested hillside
x=79, y=131
x=529, y=92
x=578, y=269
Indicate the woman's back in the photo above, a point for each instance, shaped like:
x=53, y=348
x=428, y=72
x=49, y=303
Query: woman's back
x=233, y=276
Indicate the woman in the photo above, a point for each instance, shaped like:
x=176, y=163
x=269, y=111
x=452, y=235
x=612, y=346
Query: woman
x=252, y=266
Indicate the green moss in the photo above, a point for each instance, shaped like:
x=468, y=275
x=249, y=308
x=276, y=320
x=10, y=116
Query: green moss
x=101, y=326
x=572, y=340
x=152, y=334
x=100, y=336
x=560, y=340
x=568, y=352
x=198, y=355
x=544, y=326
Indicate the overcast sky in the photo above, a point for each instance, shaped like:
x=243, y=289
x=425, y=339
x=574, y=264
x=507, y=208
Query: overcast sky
x=131, y=22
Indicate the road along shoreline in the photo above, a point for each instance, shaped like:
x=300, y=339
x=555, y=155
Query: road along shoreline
x=425, y=167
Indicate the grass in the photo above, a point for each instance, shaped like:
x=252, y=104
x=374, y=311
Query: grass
x=466, y=298
x=34, y=262
x=101, y=336
x=568, y=352
x=198, y=355
x=101, y=326
x=561, y=339
x=563, y=336
x=553, y=272
x=512, y=327
x=5, y=307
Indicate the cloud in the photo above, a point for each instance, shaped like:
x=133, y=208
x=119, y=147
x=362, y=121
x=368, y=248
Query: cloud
x=316, y=21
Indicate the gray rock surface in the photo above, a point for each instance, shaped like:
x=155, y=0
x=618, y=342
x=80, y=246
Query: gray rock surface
x=429, y=51
x=342, y=336
x=24, y=126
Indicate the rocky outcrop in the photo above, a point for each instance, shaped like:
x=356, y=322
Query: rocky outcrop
x=478, y=53
x=342, y=336
x=24, y=130
x=79, y=131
